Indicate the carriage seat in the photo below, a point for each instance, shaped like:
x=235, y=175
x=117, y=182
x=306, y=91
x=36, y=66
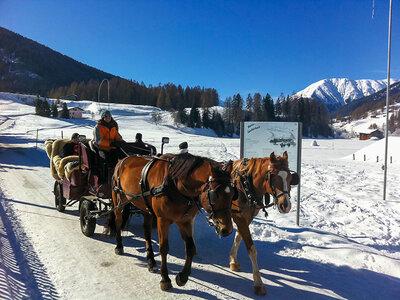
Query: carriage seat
x=60, y=167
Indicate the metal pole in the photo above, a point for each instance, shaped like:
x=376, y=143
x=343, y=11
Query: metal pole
x=387, y=102
x=37, y=136
x=108, y=85
x=98, y=94
x=300, y=133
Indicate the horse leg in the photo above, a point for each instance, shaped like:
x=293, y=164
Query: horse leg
x=243, y=229
x=233, y=261
x=148, y=226
x=186, y=230
x=119, y=249
x=163, y=232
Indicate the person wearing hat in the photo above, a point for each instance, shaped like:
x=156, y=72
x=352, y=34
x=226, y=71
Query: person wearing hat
x=139, y=137
x=183, y=147
x=72, y=147
x=106, y=137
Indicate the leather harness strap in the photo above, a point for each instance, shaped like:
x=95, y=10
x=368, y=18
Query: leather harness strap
x=155, y=191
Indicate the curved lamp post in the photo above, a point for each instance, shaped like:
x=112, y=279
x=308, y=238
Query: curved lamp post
x=98, y=94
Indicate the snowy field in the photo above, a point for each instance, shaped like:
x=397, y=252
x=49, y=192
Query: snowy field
x=346, y=247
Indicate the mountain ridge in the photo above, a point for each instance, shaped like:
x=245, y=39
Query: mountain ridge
x=337, y=92
x=28, y=66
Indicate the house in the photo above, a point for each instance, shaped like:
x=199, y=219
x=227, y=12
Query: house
x=75, y=113
x=366, y=135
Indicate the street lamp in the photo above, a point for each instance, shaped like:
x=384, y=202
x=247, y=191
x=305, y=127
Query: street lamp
x=98, y=94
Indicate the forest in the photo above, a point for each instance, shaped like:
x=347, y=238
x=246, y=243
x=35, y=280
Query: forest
x=192, y=106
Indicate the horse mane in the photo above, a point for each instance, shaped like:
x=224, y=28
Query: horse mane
x=257, y=165
x=183, y=165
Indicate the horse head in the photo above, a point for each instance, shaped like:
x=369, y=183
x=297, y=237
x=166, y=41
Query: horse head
x=199, y=176
x=278, y=180
x=216, y=199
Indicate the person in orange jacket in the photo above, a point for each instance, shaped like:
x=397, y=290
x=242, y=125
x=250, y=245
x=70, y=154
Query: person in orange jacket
x=108, y=140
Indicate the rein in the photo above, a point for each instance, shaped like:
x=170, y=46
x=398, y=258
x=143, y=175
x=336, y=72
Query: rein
x=250, y=194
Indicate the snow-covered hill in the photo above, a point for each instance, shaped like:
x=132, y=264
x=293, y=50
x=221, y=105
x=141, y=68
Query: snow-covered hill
x=336, y=92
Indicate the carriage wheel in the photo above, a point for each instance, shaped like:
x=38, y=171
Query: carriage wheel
x=58, y=197
x=88, y=224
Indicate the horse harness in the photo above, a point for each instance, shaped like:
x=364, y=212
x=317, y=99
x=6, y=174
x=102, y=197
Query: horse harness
x=165, y=190
x=247, y=188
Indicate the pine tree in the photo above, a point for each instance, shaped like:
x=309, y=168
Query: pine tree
x=194, y=117
x=237, y=111
x=306, y=117
x=217, y=124
x=268, y=108
x=314, y=117
x=54, y=110
x=257, y=107
x=161, y=99
x=250, y=103
x=206, y=118
x=46, y=108
x=39, y=106
x=64, y=111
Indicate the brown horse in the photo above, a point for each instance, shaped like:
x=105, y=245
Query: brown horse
x=169, y=188
x=255, y=178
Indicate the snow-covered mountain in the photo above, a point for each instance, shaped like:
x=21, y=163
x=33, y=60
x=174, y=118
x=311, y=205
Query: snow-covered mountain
x=336, y=92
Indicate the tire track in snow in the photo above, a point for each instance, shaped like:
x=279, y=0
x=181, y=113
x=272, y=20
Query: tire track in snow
x=22, y=275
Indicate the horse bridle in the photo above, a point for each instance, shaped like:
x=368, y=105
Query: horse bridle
x=268, y=176
x=212, y=197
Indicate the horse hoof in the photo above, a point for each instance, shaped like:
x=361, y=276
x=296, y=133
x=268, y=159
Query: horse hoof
x=165, y=285
x=152, y=267
x=181, y=279
x=260, y=290
x=235, y=267
x=119, y=251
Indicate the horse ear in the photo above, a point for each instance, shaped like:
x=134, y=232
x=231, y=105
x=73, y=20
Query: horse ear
x=285, y=156
x=272, y=157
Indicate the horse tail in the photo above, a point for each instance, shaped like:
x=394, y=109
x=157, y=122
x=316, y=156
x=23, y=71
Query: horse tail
x=110, y=228
x=125, y=217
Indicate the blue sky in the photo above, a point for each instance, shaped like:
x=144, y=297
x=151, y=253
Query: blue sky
x=232, y=46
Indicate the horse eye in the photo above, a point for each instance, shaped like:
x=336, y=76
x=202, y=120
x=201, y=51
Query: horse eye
x=227, y=190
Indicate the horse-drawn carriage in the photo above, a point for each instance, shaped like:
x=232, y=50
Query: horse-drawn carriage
x=86, y=179
x=173, y=189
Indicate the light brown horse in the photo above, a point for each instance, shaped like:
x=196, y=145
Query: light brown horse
x=255, y=178
x=171, y=193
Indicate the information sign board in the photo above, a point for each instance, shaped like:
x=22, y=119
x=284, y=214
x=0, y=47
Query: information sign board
x=260, y=139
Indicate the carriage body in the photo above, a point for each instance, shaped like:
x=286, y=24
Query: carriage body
x=81, y=179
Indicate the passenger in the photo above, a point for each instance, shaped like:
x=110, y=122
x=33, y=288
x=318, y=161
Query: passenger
x=72, y=147
x=107, y=138
x=183, y=148
x=139, y=138
x=141, y=148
